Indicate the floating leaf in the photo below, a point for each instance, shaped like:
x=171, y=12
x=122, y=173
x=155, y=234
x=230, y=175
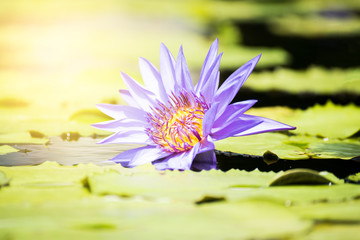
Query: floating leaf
x=260, y=144
x=321, y=80
x=36, y=134
x=300, y=177
x=89, y=116
x=345, y=150
x=315, y=121
x=4, y=181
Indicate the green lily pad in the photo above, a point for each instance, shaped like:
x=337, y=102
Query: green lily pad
x=322, y=80
x=300, y=177
x=334, y=231
x=355, y=177
x=260, y=144
x=315, y=26
x=316, y=120
x=345, y=150
x=176, y=185
x=4, y=181
x=133, y=203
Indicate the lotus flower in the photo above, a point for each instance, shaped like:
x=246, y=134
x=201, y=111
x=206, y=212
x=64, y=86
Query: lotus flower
x=177, y=122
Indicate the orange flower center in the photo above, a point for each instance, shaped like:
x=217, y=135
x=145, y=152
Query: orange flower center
x=178, y=126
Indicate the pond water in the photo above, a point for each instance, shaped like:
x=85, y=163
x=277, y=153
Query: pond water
x=84, y=150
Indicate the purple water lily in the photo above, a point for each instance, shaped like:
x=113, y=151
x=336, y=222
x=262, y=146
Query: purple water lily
x=177, y=122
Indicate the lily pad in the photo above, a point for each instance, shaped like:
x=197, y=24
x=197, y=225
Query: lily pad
x=4, y=181
x=300, y=177
x=295, y=81
x=345, y=150
x=260, y=144
x=315, y=26
x=316, y=120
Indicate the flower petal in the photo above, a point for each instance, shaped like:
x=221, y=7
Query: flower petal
x=142, y=96
x=184, y=160
x=212, y=80
x=121, y=111
x=152, y=79
x=182, y=72
x=125, y=94
x=167, y=69
x=232, y=84
x=234, y=128
x=161, y=164
x=209, y=118
x=209, y=60
x=204, y=161
x=232, y=112
x=119, y=124
x=128, y=135
x=178, y=161
x=138, y=156
x=266, y=125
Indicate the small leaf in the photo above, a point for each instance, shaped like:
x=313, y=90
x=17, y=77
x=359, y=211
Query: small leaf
x=36, y=134
x=270, y=157
x=209, y=199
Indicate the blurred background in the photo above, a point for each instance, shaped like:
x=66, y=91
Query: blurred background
x=59, y=58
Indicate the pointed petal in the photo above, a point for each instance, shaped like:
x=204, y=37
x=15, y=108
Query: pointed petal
x=232, y=84
x=167, y=69
x=206, y=144
x=232, y=112
x=142, y=96
x=234, y=128
x=152, y=79
x=119, y=125
x=125, y=94
x=182, y=72
x=204, y=161
x=266, y=125
x=134, y=157
x=183, y=160
x=211, y=81
x=128, y=135
x=161, y=164
x=209, y=60
x=209, y=119
x=121, y=111
x=178, y=161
